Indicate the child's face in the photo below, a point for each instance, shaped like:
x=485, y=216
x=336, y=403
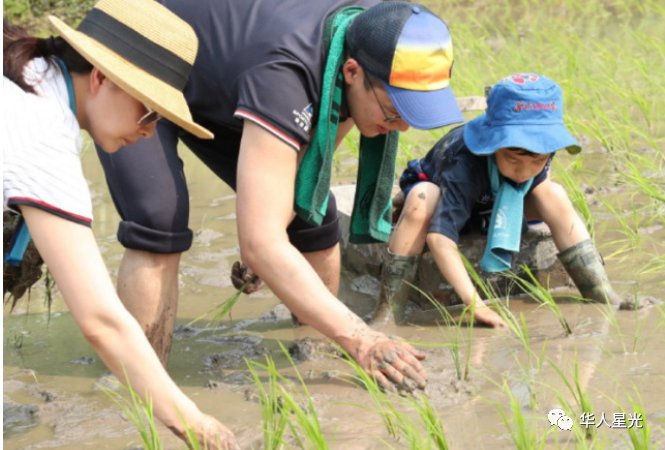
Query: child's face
x=519, y=167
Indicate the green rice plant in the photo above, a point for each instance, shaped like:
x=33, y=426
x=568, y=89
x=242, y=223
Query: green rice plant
x=522, y=432
x=274, y=421
x=634, y=168
x=577, y=198
x=638, y=428
x=391, y=417
x=578, y=393
x=631, y=232
x=609, y=313
x=455, y=333
x=140, y=413
x=302, y=421
x=540, y=294
x=431, y=420
x=426, y=434
x=221, y=310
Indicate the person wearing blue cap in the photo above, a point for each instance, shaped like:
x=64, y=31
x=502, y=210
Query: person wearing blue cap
x=492, y=173
x=280, y=83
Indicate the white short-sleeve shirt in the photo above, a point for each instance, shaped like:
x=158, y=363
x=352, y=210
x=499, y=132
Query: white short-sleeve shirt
x=41, y=146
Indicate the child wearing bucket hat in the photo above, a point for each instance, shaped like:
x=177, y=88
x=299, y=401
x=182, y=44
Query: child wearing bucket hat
x=122, y=69
x=279, y=99
x=497, y=163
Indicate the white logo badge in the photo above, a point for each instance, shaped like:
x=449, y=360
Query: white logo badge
x=304, y=117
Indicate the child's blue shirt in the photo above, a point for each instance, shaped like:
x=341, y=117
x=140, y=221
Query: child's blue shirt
x=466, y=195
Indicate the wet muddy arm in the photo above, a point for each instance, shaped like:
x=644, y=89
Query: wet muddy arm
x=266, y=179
x=71, y=253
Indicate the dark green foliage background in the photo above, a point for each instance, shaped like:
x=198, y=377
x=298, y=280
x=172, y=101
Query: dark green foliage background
x=34, y=13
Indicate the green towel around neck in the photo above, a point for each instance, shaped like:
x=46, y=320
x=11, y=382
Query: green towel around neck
x=371, y=217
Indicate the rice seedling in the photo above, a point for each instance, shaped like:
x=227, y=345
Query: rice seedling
x=577, y=197
x=630, y=231
x=609, y=313
x=635, y=422
x=280, y=408
x=393, y=420
x=221, y=310
x=425, y=434
x=577, y=392
x=431, y=421
x=140, y=413
x=455, y=333
x=274, y=422
x=524, y=435
x=541, y=295
x=634, y=169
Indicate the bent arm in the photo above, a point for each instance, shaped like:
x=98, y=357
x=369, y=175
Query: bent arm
x=448, y=259
x=266, y=183
x=72, y=255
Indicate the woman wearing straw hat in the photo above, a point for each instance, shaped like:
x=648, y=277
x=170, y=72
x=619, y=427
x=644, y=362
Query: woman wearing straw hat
x=115, y=76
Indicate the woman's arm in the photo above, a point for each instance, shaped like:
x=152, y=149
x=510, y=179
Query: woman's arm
x=71, y=253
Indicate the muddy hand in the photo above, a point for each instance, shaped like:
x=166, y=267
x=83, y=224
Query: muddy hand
x=485, y=315
x=212, y=435
x=243, y=278
x=394, y=365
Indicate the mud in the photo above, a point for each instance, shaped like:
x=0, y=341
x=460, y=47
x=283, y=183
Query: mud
x=51, y=376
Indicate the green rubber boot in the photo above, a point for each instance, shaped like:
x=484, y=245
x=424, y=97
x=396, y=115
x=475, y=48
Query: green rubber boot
x=585, y=266
x=395, y=293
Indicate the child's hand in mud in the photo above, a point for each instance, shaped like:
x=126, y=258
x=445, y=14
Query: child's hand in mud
x=212, y=435
x=485, y=315
x=244, y=278
x=395, y=365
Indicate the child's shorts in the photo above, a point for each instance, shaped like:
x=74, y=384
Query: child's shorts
x=412, y=175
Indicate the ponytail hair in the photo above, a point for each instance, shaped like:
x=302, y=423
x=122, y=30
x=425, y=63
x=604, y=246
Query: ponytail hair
x=20, y=47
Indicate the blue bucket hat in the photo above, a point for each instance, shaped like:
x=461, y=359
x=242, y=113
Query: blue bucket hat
x=525, y=111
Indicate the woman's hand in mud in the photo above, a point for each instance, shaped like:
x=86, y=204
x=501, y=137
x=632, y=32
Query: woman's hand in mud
x=212, y=435
x=244, y=278
x=395, y=365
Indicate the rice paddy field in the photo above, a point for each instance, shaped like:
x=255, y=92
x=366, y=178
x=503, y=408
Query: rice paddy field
x=487, y=389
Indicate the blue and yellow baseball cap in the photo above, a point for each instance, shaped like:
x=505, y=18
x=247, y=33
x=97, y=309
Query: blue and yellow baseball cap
x=410, y=49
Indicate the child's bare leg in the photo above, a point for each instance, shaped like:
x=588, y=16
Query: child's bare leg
x=401, y=259
x=578, y=253
x=549, y=202
x=408, y=237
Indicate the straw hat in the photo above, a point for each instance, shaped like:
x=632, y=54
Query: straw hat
x=145, y=49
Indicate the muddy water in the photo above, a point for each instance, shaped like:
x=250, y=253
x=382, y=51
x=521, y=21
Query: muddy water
x=51, y=374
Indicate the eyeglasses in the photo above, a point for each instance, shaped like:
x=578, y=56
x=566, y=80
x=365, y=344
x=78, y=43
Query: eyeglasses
x=148, y=118
x=386, y=117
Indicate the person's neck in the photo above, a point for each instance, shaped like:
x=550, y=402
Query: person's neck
x=81, y=83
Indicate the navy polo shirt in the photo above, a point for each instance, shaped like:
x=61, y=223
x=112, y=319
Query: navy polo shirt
x=464, y=181
x=258, y=60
